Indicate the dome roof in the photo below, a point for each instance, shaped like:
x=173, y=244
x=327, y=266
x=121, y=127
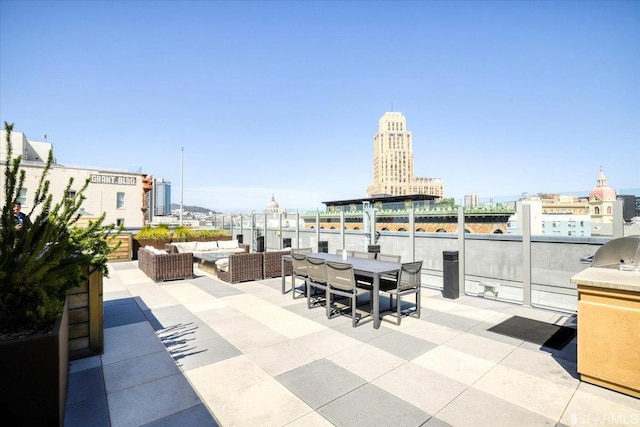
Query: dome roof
x=273, y=204
x=602, y=191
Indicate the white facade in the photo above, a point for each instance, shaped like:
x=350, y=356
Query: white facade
x=119, y=194
x=542, y=224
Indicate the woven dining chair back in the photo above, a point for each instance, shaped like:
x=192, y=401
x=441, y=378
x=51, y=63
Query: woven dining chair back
x=389, y=258
x=364, y=255
x=317, y=270
x=340, y=276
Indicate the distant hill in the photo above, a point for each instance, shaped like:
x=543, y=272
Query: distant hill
x=197, y=209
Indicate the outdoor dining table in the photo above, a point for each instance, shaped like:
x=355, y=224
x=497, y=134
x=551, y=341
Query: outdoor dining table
x=363, y=266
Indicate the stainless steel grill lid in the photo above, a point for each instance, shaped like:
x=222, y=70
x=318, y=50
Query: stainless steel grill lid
x=624, y=250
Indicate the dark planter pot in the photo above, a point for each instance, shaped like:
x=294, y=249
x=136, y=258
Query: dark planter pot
x=33, y=377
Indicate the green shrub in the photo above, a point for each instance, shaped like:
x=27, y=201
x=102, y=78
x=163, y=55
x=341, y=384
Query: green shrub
x=41, y=263
x=209, y=234
x=183, y=234
x=156, y=234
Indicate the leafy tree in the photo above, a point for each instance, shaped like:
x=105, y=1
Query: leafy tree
x=38, y=265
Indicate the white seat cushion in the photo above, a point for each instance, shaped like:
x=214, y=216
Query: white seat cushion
x=222, y=264
x=206, y=246
x=227, y=244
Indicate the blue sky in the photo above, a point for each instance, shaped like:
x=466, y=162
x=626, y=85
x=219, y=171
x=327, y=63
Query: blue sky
x=284, y=98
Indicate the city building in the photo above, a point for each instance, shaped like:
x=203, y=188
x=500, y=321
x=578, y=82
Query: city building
x=549, y=224
x=392, y=214
x=161, y=199
x=393, y=162
x=119, y=194
x=601, y=200
x=471, y=200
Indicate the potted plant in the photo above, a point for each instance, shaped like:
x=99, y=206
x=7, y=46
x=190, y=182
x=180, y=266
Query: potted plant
x=38, y=265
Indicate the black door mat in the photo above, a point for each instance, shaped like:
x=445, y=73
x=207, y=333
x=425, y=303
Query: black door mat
x=535, y=331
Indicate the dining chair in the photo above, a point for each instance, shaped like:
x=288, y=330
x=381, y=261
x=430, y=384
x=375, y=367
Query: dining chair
x=341, y=251
x=367, y=283
x=341, y=281
x=300, y=269
x=409, y=282
x=389, y=257
x=365, y=255
x=317, y=280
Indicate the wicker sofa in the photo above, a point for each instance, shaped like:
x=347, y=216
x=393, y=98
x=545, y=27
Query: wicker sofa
x=272, y=264
x=241, y=267
x=162, y=266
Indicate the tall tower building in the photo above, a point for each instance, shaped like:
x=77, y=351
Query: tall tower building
x=393, y=161
x=161, y=198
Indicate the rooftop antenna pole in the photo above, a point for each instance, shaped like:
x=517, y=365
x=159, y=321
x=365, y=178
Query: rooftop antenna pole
x=181, y=182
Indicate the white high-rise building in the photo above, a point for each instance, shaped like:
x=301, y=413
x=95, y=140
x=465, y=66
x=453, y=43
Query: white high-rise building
x=393, y=161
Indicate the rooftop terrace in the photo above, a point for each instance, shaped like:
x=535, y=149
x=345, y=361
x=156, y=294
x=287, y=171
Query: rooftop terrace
x=202, y=352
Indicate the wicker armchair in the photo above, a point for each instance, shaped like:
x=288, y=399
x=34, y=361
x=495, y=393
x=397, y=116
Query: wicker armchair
x=242, y=267
x=162, y=267
x=272, y=264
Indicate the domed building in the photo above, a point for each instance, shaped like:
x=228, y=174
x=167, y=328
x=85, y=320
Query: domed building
x=601, y=200
x=273, y=208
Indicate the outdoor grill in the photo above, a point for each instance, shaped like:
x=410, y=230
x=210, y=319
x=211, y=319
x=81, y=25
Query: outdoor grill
x=622, y=253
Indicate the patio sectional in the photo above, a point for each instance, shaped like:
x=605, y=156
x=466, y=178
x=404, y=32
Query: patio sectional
x=160, y=265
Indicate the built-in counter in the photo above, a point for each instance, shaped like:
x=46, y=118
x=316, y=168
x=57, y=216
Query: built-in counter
x=609, y=328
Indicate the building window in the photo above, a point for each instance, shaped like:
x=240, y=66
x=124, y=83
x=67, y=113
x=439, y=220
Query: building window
x=71, y=194
x=120, y=222
x=22, y=197
x=120, y=201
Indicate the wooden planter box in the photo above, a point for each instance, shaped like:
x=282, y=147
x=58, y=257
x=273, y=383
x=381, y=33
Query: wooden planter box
x=86, y=318
x=33, y=377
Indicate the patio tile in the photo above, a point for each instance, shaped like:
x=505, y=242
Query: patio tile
x=370, y=405
x=545, y=397
x=218, y=379
x=484, y=348
x=198, y=416
x=420, y=387
x=215, y=288
x=139, y=370
x=180, y=334
x=454, y=364
x=282, y=357
x=402, y=345
x=85, y=384
x=86, y=363
x=431, y=331
x=151, y=401
x=254, y=406
x=453, y=321
x=153, y=299
x=363, y=333
x=543, y=365
x=312, y=419
x=129, y=341
x=320, y=382
x=193, y=298
x=366, y=361
x=254, y=338
x=593, y=405
x=165, y=317
x=197, y=354
x=327, y=342
x=124, y=318
x=475, y=408
x=88, y=412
